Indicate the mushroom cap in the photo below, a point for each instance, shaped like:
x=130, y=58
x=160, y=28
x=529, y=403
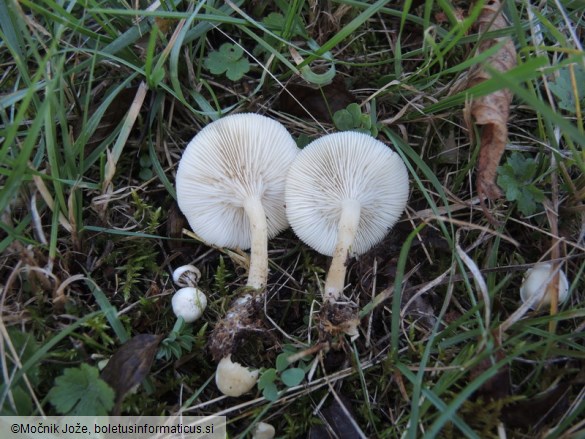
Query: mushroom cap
x=534, y=281
x=228, y=161
x=345, y=166
x=186, y=275
x=189, y=303
x=233, y=379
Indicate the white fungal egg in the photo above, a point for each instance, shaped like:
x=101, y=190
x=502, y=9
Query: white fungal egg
x=538, y=280
x=233, y=379
x=189, y=303
x=263, y=431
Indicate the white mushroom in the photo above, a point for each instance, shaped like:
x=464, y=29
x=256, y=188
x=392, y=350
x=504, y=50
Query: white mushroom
x=263, y=431
x=233, y=379
x=230, y=185
x=343, y=194
x=186, y=276
x=538, y=282
x=189, y=303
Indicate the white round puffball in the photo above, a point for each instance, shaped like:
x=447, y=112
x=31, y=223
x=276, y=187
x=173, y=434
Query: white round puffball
x=189, y=303
x=535, y=283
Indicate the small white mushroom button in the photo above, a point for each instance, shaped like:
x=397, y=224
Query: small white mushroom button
x=538, y=282
x=189, y=303
x=186, y=276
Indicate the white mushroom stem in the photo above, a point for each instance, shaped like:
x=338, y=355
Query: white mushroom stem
x=258, y=273
x=346, y=231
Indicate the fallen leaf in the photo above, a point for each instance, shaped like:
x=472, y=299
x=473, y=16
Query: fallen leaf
x=491, y=111
x=129, y=365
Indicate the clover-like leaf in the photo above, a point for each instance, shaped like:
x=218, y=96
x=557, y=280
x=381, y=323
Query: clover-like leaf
x=270, y=392
x=266, y=383
x=356, y=114
x=343, y=120
x=282, y=361
x=351, y=118
x=267, y=377
x=293, y=377
x=229, y=60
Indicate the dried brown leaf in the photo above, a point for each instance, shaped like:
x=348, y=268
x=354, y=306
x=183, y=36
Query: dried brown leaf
x=130, y=364
x=491, y=111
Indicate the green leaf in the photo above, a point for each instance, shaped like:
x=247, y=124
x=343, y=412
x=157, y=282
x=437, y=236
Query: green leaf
x=282, y=362
x=562, y=88
x=526, y=205
x=352, y=119
x=270, y=392
x=228, y=60
x=303, y=140
x=536, y=193
x=23, y=404
x=515, y=177
x=146, y=174
x=80, y=392
x=356, y=114
x=145, y=161
x=275, y=21
x=157, y=76
x=175, y=350
x=26, y=346
x=343, y=120
x=268, y=377
x=293, y=377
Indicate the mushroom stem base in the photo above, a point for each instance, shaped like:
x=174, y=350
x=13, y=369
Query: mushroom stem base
x=242, y=319
x=337, y=319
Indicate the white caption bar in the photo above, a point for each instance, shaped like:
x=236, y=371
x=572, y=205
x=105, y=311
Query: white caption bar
x=113, y=427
